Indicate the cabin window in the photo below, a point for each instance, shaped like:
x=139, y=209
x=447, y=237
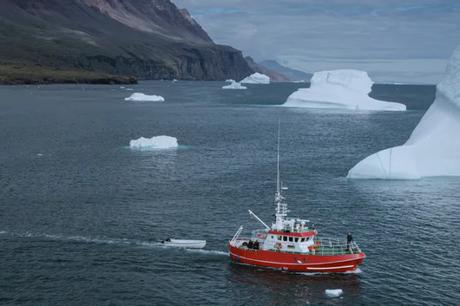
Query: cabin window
x=302, y=240
x=296, y=239
x=291, y=239
x=280, y=237
x=284, y=238
x=273, y=237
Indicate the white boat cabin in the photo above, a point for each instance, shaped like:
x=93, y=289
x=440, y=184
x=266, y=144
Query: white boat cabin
x=298, y=242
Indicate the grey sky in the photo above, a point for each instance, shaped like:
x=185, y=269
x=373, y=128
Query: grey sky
x=394, y=40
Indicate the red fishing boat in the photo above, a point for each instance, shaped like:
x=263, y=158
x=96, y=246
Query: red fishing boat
x=291, y=244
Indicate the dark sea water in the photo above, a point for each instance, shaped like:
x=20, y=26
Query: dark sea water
x=80, y=212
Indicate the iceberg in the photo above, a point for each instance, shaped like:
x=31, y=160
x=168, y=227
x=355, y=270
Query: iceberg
x=154, y=143
x=137, y=96
x=256, y=78
x=333, y=293
x=433, y=149
x=234, y=85
x=345, y=89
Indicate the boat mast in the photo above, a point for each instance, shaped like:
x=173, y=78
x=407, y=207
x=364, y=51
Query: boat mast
x=278, y=189
x=281, y=206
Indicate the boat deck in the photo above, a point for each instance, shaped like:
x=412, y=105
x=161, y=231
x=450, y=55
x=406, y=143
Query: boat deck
x=323, y=247
x=328, y=247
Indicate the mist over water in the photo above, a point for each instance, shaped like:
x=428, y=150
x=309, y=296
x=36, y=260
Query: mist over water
x=81, y=214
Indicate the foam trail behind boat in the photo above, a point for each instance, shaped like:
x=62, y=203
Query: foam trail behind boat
x=104, y=240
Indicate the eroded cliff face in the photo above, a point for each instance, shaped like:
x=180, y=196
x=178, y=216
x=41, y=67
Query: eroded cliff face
x=154, y=16
x=148, y=39
x=193, y=63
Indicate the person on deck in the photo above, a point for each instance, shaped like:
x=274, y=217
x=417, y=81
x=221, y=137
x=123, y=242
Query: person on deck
x=349, y=240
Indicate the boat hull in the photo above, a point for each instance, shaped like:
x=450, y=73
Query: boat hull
x=296, y=262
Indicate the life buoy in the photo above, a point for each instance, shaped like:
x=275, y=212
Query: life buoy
x=278, y=246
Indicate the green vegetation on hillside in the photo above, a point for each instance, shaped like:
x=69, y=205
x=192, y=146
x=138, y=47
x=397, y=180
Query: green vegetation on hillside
x=20, y=74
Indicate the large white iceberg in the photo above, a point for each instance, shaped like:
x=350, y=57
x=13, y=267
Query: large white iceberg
x=256, y=78
x=433, y=149
x=346, y=89
x=154, y=143
x=137, y=96
x=234, y=85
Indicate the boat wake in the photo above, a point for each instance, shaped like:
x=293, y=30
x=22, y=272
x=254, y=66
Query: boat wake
x=210, y=252
x=357, y=271
x=111, y=241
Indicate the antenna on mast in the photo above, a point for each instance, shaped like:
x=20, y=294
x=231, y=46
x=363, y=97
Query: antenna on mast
x=278, y=187
x=281, y=206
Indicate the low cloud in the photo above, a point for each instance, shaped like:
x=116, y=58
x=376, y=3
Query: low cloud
x=394, y=40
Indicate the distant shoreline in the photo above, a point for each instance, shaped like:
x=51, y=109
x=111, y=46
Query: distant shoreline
x=122, y=82
x=101, y=81
x=30, y=75
x=20, y=74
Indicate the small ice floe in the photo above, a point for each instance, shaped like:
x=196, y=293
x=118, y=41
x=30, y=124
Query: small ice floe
x=256, y=78
x=39, y=154
x=137, y=96
x=174, y=80
x=234, y=85
x=229, y=80
x=333, y=293
x=154, y=143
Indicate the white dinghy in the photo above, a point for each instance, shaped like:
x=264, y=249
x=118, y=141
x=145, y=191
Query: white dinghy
x=181, y=243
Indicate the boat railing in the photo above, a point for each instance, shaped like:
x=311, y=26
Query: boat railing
x=240, y=240
x=333, y=246
x=246, y=239
x=321, y=247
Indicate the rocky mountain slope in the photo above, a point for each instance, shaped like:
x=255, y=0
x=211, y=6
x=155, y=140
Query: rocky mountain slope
x=108, y=41
x=292, y=74
x=277, y=72
x=274, y=75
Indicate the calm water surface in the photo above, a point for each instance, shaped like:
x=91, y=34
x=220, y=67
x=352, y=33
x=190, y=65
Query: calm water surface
x=80, y=212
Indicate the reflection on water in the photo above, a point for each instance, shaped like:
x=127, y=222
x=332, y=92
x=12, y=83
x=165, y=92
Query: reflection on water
x=284, y=288
x=162, y=162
